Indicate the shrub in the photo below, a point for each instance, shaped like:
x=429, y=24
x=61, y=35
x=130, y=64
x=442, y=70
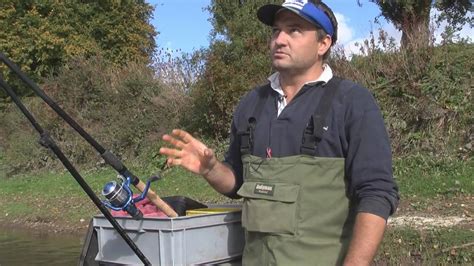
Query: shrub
x=426, y=96
x=126, y=109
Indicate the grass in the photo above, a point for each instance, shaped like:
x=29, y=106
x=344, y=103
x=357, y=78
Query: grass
x=57, y=198
x=29, y=195
x=426, y=177
x=408, y=246
x=2, y=164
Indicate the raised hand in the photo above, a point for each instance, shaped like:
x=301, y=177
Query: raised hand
x=188, y=152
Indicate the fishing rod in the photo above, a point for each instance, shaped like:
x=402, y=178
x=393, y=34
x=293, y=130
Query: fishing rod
x=108, y=156
x=119, y=195
x=48, y=142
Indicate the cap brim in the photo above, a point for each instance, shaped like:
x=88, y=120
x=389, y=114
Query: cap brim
x=266, y=14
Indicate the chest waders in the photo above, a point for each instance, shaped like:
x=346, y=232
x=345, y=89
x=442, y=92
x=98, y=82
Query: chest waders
x=295, y=209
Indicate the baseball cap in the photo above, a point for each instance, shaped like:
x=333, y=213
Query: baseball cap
x=303, y=8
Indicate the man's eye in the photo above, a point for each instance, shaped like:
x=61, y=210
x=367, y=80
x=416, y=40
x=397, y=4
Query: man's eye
x=275, y=30
x=294, y=30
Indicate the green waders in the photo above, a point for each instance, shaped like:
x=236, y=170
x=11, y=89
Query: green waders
x=295, y=209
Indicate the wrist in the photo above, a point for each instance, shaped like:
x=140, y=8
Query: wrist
x=356, y=262
x=208, y=172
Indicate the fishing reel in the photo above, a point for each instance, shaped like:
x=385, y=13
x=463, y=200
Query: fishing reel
x=120, y=197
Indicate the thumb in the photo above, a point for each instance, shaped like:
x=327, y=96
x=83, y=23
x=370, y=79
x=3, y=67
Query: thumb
x=208, y=154
x=209, y=161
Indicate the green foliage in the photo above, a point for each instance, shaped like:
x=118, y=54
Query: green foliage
x=41, y=36
x=20, y=149
x=126, y=109
x=454, y=12
x=237, y=60
x=425, y=94
x=412, y=17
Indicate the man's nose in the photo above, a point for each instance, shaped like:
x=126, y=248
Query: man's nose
x=280, y=38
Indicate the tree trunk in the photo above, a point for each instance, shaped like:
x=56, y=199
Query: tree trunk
x=410, y=17
x=415, y=25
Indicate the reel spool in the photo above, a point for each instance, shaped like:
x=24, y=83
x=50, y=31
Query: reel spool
x=120, y=197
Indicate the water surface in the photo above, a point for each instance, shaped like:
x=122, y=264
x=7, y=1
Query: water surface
x=30, y=247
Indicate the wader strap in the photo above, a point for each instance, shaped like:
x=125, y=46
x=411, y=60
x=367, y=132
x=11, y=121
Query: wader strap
x=247, y=137
x=315, y=129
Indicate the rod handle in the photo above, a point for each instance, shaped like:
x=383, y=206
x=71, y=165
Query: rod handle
x=151, y=195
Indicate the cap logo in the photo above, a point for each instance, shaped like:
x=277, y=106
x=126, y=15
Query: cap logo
x=311, y=12
x=295, y=3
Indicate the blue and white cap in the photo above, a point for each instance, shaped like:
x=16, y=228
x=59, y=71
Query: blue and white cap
x=304, y=8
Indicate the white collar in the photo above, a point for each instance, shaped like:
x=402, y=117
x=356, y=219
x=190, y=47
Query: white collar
x=324, y=77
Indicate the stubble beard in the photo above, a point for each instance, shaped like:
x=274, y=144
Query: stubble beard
x=283, y=65
x=289, y=67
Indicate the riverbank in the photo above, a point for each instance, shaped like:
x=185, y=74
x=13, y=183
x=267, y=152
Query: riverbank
x=434, y=222
x=55, y=203
x=49, y=227
x=442, y=212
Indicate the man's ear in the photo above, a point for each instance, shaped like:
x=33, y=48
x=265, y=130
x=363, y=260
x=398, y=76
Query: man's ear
x=324, y=45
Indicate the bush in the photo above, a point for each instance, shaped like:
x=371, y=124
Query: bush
x=425, y=93
x=236, y=61
x=426, y=96
x=126, y=109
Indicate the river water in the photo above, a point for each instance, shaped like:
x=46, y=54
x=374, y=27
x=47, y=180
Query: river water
x=29, y=247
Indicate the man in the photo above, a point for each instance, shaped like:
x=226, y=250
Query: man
x=309, y=153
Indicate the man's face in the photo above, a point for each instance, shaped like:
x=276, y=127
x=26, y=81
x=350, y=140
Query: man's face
x=294, y=44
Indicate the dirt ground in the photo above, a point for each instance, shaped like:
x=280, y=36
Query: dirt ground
x=438, y=212
x=47, y=227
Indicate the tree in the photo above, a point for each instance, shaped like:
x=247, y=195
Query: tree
x=412, y=17
x=236, y=60
x=454, y=12
x=41, y=36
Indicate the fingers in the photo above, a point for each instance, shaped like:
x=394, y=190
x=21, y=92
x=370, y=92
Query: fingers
x=183, y=135
x=173, y=162
x=173, y=141
x=187, y=151
x=208, y=157
x=208, y=162
x=170, y=152
x=179, y=138
x=173, y=156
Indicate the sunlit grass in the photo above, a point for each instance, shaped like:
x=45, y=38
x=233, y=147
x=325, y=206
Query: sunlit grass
x=60, y=197
x=426, y=177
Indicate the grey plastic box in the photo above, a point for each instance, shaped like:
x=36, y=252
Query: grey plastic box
x=186, y=240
